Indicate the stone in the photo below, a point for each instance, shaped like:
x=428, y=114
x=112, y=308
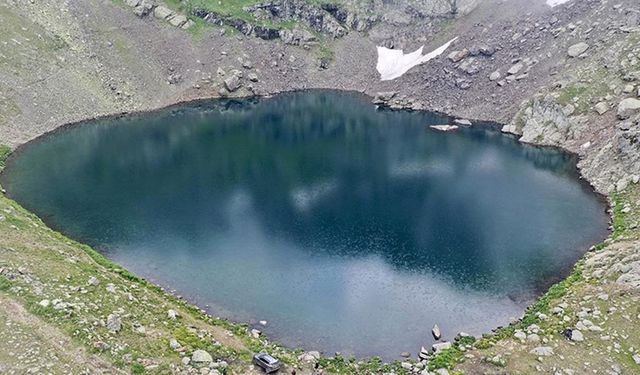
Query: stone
x=534, y=337
x=309, y=357
x=253, y=77
x=384, y=97
x=515, y=69
x=440, y=346
x=201, y=356
x=44, y=303
x=542, y=351
x=93, y=281
x=232, y=83
x=255, y=333
x=435, y=331
x=601, y=107
x=178, y=21
x=441, y=371
x=577, y=49
x=187, y=25
x=424, y=353
x=628, y=89
x=406, y=365
x=520, y=335
x=174, y=344
x=636, y=359
x=576, y=335
x=114, y=323
x=462, y=122
x=110, y=288
x=172, y=314
x=442, y=128
x=405, y=354
x=457, y=56
x=628, y=107
x=162, y=12
x=494, y=76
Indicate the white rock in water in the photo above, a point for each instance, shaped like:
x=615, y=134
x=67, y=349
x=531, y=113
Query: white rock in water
x=444, y=128
x=435, y=331
x=200, y=356
x=463, y=122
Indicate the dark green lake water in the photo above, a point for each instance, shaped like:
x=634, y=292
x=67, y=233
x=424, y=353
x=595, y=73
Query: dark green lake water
x=346, y=228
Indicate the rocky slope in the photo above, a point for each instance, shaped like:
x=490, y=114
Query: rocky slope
x=567, y=76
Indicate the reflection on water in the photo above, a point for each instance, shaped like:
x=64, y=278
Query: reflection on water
x=348, y=229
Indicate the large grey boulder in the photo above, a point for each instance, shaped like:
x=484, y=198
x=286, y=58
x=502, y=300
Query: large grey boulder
x=628, y=107
x=440, y=346
x=577, y=49
x=200, y=356
x=162, y=12
x=232, y=83
x=114, y=323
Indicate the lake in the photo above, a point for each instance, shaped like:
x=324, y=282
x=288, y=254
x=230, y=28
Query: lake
x=345, y=227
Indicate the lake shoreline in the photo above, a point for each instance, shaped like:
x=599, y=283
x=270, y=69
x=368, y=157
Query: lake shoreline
x=489, y=125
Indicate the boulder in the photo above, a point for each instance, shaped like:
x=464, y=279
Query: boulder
x=232, y=83
x=435, y=331
x=253, y=77
x=462, y=122
x=494, y=76
x=442, y=128
x=424, y=353
x=601, y=108
x=174, y=344
x=515, y=69
x=172, y=314
x=201, y=356
x=577, y=49
x=576, y=335
x=178, y=21
x=162, y=12
x=114, y=323
x=457, y=56
x=384, y=97
x=628, y=107
x=440, y=346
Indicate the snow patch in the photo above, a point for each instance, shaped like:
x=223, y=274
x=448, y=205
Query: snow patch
x=393, y=63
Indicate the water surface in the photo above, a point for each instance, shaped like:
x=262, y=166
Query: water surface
x=346, y=228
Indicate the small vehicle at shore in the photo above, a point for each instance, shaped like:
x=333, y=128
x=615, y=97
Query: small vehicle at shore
x=267, y=362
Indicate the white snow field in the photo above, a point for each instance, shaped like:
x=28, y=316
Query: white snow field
x=393, y=63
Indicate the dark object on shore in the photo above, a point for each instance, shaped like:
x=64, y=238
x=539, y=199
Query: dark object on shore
x=267, y=362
